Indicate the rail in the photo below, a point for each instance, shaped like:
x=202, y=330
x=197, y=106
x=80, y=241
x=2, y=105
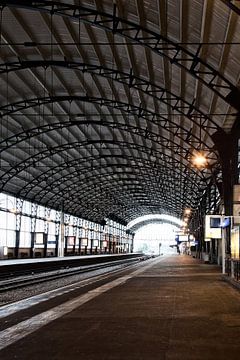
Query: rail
x=233, y=268
x=37, y=278
x=18, y=268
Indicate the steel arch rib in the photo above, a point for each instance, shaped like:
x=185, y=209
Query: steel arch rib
x=118, y=105
x=38, y=130
x=73, y=193
x=76, y=163
x=138, y=196
x=75, y=174
x=84, y=170
x=54, y=126
x=132, y=81
x=30, y=161
x=154, y=137
x=134, y=32
x=112, y=187
x=35, y=183
x=23, y=165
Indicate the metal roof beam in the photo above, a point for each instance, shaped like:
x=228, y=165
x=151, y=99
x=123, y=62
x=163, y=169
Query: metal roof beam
x=136, y=33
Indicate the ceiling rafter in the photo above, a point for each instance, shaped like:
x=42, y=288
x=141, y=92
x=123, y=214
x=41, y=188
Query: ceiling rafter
x=110, y=101
x=137, y=33
x=139, y=111
x=131, y=60
x=40, y=82
x=149, y=189
x=29, y=133
x=78, y=172
x=105, y=207
x=46, y=153
x=101, y=60
x=147, y=53
x=56, y=38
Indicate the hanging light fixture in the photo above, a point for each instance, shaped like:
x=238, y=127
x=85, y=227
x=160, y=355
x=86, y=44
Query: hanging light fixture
x=199, y=159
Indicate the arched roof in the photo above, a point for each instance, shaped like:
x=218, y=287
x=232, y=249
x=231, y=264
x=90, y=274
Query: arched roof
x=103, y=103
x=138, y=223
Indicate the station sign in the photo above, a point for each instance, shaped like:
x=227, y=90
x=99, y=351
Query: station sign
x=213, y=227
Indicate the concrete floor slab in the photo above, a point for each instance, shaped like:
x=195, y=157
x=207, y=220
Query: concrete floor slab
x=178, y=309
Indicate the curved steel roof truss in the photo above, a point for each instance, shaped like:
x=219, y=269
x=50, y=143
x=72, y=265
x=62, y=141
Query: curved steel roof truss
x=50, y=151
x=160, y=179
x=176, y=54
x=101, y=112
x=177, y=103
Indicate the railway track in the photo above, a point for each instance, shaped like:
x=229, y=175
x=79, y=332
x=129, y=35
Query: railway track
x=23, y=280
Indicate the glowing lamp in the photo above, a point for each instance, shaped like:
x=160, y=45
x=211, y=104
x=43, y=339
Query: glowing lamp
x=199, y=160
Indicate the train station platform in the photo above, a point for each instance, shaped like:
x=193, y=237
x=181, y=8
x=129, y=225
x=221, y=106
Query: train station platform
x=20, y=262
x=170, y=308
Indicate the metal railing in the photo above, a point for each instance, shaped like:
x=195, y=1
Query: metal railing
x=233, y=268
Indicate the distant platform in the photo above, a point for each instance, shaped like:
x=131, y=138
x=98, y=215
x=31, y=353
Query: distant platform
x=62, y=258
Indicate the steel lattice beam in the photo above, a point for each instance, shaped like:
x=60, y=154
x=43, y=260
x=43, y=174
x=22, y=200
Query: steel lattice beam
x=132, y=109
x=179, y=150
x=83, y=167
x=80, y=177
x=107, y=202
x=176, y=54
x=160, y=93
x=31, y=161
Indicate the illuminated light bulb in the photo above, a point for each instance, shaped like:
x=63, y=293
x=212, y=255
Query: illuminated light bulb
x=199, y=161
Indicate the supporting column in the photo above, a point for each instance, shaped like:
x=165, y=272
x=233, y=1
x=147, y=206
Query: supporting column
x=16, y=250
x=34, y=208
x=32, y=244
x=45, y=242
x=56, y=246
x=227, y=146
x=61, y=242
x=57, y=232
x=47, y=213
x=19, y=204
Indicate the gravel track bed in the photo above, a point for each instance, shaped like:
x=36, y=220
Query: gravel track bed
x=31, y=290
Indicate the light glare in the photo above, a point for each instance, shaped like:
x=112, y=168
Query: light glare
x=199, y=161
